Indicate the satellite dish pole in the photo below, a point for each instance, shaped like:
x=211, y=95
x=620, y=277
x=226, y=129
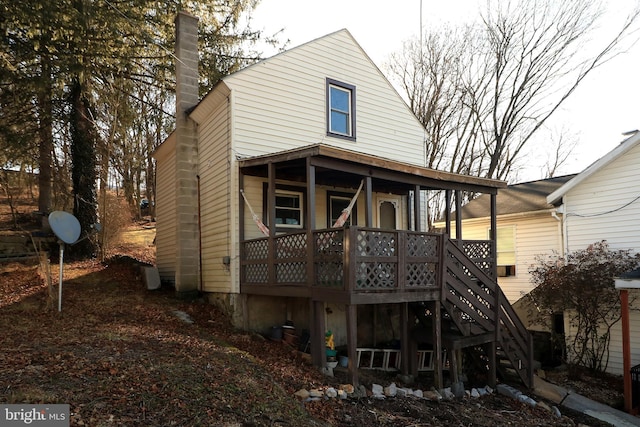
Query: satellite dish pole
x=67, y=229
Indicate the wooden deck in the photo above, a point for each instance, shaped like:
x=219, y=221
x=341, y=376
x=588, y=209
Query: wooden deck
x=359, y=265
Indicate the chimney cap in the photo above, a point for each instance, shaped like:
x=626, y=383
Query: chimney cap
x=186, y=15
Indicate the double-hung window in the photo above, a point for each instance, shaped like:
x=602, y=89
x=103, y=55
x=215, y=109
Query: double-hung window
x=337, y=202
x=341, y=109
x=288, y=209
x=506, y=248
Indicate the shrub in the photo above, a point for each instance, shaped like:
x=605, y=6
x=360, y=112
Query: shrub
x=114, y=215
x=582, y=287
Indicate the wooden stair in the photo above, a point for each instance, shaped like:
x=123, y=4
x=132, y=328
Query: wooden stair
x=476, y=304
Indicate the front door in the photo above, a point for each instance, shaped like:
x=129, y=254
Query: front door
x=388, y=212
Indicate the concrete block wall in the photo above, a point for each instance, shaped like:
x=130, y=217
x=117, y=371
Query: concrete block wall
x=187, y=231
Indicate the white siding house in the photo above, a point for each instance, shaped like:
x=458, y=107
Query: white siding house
x=253, y=179
x=603, y=203
x=276, y=105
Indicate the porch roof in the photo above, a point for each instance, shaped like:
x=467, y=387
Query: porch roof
x=342, y=167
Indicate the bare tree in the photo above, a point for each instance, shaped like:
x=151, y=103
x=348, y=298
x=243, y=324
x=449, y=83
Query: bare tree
x=563, y=144
x=483, y=91
x=431, y=75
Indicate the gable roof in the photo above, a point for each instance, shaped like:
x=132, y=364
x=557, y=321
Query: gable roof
x=622, y=148
x=227, y=80
x=516, y=198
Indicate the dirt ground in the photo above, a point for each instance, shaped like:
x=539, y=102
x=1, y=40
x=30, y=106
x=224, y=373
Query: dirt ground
x=120, y=355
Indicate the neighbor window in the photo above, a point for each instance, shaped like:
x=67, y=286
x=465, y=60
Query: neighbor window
x=506, y=248
x=341, y=109
x=288, y=209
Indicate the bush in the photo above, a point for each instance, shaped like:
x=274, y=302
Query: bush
x=582, y=287
x=114, y=215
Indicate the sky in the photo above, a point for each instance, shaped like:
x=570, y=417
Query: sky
x=597, y=113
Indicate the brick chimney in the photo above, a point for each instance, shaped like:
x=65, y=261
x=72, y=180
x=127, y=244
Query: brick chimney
x=187, y=280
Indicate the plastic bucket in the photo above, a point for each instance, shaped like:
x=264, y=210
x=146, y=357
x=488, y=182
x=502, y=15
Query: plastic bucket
x=276, y=333
x=344, y=361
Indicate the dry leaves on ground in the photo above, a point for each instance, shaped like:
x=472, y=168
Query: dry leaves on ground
x=119, y=355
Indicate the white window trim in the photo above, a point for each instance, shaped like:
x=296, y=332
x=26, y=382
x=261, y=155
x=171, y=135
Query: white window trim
x=300, y=209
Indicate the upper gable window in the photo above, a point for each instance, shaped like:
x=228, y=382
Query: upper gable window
x=341, y=100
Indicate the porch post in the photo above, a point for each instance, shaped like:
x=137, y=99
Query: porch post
x=458, y=215
x=447, y=212
x=493, y=234
x=310, y=220
x=352, y=342
x=416, y=208
x=271, y=208
x=241, y=223
x=368, y=210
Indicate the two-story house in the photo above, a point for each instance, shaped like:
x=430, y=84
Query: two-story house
x=252, y=182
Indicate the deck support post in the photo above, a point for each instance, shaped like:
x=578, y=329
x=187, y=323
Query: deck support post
x=491, y=353
x=352, y=343
x=404, y=339
x=318, y=353
x=437, y=345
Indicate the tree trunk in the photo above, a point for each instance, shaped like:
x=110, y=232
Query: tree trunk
x=83, y=170
x=45, y=132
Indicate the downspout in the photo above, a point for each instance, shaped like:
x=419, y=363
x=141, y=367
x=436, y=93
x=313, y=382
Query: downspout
x=200, y=288
x=561, y=226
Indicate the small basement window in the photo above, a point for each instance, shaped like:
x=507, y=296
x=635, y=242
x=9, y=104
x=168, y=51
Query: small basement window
x=341, y=109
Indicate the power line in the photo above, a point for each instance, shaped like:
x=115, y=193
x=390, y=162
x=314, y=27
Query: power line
x=604, y=213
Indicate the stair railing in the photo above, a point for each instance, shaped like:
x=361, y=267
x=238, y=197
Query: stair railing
x=477, y=304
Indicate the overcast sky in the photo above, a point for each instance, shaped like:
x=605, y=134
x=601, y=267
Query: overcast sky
x=605, y=106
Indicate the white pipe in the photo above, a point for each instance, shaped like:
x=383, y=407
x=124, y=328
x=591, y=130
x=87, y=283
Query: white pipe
x=60, y=283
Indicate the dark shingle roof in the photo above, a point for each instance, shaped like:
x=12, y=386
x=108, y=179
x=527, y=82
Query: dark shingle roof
x=524, y=197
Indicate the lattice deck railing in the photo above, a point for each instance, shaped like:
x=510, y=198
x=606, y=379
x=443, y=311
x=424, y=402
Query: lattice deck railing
x=354, y=258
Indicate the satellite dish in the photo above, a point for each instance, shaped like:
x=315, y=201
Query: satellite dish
x=65, y=226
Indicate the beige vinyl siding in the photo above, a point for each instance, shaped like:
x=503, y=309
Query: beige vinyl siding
x=535, y=235
x=253, y=189
x=280, y=104
x=616, y=358
x=166, y=210
x=595, y=209
x=215, y=207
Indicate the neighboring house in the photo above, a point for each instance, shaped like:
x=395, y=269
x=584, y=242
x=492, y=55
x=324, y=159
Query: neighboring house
x=527, y=227
x=253, y=179
x=603, y=203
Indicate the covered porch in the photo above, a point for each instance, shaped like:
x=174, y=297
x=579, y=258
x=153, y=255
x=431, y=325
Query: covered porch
x=364, y=264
